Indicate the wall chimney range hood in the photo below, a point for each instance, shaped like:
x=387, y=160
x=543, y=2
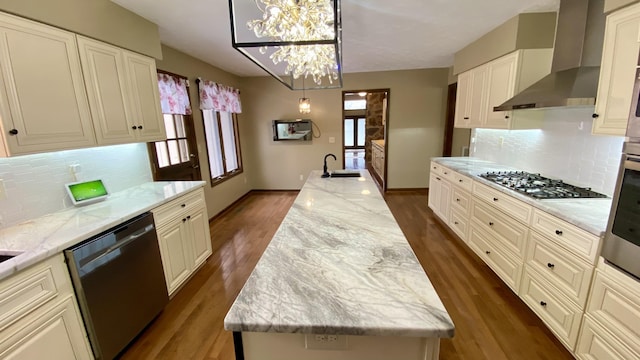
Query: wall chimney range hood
x=575, y=67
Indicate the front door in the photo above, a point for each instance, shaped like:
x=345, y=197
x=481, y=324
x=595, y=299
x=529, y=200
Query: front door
x=177, y=157
x=353, y=143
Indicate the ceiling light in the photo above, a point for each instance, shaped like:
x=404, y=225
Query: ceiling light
x=304, y=105
x=362, y=93
x=291, y=39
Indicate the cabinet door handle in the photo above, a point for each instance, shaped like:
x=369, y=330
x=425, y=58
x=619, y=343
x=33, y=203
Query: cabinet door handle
x=183, y=205
x=543, y=304
x=455, y=222
x=466, y=118
x=490, y=223
x=550, y=265
x=13, y=132
x=458, y=200
x=437, y=178
x=559, y=232
x=488, y=252
x=460, y=180
x=139, y=127
x=595, y=116
x=506, y=116
x=446, y=173
x=189, y=217
x=133, y=127
x=495, y=199
x=183, y=219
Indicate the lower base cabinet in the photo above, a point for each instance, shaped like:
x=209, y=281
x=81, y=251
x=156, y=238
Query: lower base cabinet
x=40, y=315
x=596, y=343
x=183, y=233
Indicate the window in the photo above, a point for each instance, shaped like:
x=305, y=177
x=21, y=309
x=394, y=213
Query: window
x=223, y=144
x=174, y=150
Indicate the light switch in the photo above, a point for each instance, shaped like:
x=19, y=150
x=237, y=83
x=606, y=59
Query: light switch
x=332, y=140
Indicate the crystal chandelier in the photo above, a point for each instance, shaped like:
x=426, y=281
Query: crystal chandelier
x=291, y=39
x=304, y=104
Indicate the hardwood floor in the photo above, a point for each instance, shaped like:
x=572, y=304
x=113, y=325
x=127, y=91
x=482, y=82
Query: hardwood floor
x=491, y=322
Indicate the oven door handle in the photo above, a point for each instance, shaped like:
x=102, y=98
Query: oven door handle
x=632, y=162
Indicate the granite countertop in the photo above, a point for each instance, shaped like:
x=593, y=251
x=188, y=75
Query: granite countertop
x=339, y=264
x=43, y=237
x=590, y=215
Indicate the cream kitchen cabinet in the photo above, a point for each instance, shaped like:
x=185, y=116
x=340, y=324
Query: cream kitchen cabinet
x=491, y=84
x=612, y=319
x=183, y=233
x=377, y=158
x=617, y=71
x=439, y=196
x=41, y=319
x=43, y=103
x=123, y=93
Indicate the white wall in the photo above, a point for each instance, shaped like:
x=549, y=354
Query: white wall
x=564, y=148
x=34, y=184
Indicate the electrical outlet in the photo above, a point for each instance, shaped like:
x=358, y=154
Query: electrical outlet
x=325, y=342
x=301, y=177
x=3, y=192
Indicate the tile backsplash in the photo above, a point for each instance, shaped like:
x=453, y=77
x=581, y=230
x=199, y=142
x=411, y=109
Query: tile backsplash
x=564, y=148
x=34, y=184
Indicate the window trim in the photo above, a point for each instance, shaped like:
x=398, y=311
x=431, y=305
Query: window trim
x=226, y=175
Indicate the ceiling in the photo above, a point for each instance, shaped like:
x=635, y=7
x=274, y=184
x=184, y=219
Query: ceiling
x=377, y=35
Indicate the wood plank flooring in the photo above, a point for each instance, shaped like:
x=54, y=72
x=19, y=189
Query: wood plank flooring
x=491, y=322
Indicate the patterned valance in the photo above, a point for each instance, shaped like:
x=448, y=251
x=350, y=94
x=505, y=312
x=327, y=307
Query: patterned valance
x=219, y=97
x=174, y=96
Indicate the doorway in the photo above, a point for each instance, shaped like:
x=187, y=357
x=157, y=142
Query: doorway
x=365, y=123
x=177, y=157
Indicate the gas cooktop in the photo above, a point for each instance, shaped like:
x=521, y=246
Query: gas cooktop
x=539, y=187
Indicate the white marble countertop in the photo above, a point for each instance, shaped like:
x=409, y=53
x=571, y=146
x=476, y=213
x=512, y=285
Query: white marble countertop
x=588, y=214
x=339, y=264
x=40, y=238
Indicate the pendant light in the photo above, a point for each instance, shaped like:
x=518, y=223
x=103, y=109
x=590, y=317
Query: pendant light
x=304, y=104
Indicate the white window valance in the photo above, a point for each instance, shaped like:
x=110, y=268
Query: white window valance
x=174, y=96
x=219, y=97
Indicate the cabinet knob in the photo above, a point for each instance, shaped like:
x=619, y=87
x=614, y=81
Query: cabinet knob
x=183, y=205
x=188, y=217
x=13, y=132
x=495, y=199
x=445, y=173
x=455, y=222
x=458, y=200
x=487, y=252
x=466, y=118
x=139, y=127
x=134, y=127
x=550, y=265
x=506, y=116
x=490, y=223
x=184, y=219
x=558, y=232
x=595, y=116
x=459, y=180
x=543, y=304
x=437, y=178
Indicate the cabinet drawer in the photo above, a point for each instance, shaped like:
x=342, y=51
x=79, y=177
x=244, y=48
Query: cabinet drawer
x=560, y=315
x=503, y=229
x=569, y=274
x=173, y=208
x=459, y=223
x=595, y=343
x=464, y=182
x=571, y=237
x=505, y=265
x=617, y=306
x=507, y=204
x=442, y=171
x=32, y=288
x=460, y=200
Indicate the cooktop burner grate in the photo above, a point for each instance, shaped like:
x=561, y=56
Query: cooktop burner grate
x=538, y=186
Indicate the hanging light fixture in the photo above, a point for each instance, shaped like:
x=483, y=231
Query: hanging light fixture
x=304, y=104
x=291, y=39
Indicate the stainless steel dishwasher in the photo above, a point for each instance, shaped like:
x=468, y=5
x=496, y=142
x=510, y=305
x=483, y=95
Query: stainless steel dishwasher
x=119, y=282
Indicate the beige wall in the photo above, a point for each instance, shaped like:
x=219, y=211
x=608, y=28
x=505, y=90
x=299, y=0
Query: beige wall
x=610, y=5
x=416, y=127
x=461, y=137
x=99, y=19
x=224, y=194
x=524, y=31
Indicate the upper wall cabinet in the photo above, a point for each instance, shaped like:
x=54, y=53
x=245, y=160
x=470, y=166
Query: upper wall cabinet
x=42, y=98
x=617, y=71
x=491, y=84
x=123, y=93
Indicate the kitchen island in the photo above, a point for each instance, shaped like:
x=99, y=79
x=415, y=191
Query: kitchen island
x=338, y=281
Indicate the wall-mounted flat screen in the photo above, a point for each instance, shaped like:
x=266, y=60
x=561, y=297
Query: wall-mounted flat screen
x=292, y=130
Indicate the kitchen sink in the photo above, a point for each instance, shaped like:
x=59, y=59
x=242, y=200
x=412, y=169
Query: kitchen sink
x=6, y=255
x=345, y=173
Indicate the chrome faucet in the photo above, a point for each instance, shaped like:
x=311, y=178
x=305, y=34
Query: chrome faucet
x=325, y=173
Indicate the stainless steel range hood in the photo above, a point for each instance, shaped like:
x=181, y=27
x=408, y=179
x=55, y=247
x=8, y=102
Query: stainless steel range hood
x=575, y=68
